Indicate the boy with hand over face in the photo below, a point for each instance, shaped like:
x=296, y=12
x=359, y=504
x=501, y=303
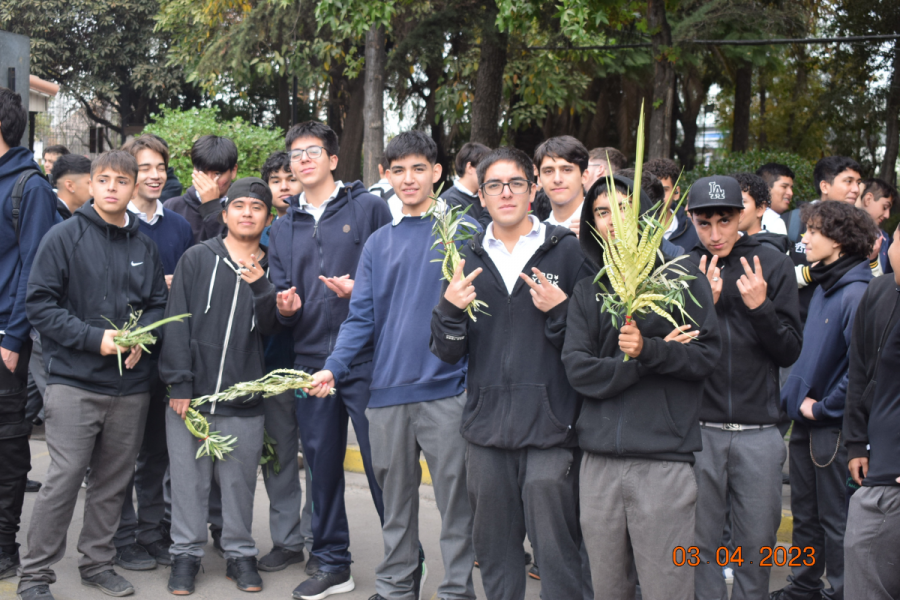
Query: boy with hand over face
x=96, y=264
x=522, y=457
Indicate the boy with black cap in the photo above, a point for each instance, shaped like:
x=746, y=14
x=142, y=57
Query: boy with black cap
x=639, y=423
x=526, y=472
x=755, y=294
x=221, y=282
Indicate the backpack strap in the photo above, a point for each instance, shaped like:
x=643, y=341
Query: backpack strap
x=17, y=192
x=794, y=227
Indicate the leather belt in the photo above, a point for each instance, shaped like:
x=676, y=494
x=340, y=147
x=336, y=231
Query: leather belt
x=734, y=426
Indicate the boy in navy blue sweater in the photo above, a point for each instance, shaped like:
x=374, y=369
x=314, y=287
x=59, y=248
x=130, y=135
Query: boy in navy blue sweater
x=142, y=540
x=838, y=239
x=313, y=252
x=417, y=400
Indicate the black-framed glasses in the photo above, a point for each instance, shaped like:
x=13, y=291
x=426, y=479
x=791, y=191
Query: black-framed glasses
x=516, y=186
x=313, y=152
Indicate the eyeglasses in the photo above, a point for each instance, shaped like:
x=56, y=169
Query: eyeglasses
x=516, y=186
x=313, y=152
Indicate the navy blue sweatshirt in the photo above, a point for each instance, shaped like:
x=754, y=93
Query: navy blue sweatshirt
x=300, y=250
x=172, y=234
x=37, y=216
x=821, y=371
x=205, y=219
x=397, y=285
x=518, y=392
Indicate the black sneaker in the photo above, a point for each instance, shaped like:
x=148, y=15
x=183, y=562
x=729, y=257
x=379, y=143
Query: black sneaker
x=110, y=583
x=184, y=571
x=33, y=486
x=38, y=592
x=9, y=563
x=242, y=571
x=159, y=550
x=217, y=541
x=135, y=558
x=324, y=584
x=534, y=573
x=279, y=559
x=312, y=565
x=527, y=559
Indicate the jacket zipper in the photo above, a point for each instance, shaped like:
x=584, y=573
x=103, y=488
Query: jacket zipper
x=322, y=273
x=728, y=333
x=237, y=288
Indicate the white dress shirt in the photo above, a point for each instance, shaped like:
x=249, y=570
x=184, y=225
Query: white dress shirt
x=772, y=221
x=510, y=264
x=157, y=215
x=317, y=212
x=551, y=220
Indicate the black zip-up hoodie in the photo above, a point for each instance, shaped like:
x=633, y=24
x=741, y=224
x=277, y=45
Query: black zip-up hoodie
x=872, y=407
x=647, y=407
x=222, y=342
x=518, y=395
x=205, y=219
x=755, y=343
x=87, y=269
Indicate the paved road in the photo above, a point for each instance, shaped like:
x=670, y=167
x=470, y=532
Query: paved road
x=366, y=546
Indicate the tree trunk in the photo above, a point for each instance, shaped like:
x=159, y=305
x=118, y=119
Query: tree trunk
x=283, y=120
x=434, y=73
x=373, y=139
x=892, y=135
x=350, y=154
x=660, y=130
x=763, y=136
x=693, y=97
x=743, y=89
x=489, y=81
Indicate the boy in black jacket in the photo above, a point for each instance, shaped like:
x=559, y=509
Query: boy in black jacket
x=638, y=425
x=519, y=475
x=743, y=451
x=94, y=266
x=872, y=436
x=222, y=284
x=214, y=159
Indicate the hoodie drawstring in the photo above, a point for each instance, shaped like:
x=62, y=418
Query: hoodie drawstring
x=212, y=281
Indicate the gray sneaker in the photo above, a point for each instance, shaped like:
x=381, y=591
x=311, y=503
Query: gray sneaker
x=38, y=592
x=110, y=583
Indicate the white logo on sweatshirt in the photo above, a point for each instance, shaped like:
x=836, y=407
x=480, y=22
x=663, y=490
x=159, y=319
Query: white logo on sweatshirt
x=716, y=192
x=551, y=277
x=134, y=264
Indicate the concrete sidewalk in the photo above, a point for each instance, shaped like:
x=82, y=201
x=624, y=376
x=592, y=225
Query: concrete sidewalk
x=366, y=546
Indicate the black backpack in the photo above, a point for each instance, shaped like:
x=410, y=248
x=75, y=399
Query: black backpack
x=17, y=193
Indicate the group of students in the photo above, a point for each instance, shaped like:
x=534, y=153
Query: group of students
x=530, y=419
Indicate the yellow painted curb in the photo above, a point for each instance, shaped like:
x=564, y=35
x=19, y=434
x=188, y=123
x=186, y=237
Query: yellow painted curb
x=786, y=529
x=353, y=462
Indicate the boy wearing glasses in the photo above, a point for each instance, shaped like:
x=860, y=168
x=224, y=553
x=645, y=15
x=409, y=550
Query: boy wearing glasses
x=313, y=254
x=521, y=460
x=416, y=400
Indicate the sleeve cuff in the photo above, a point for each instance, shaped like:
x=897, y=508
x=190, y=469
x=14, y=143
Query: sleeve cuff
x=857, y=450
x=94, y=339
x=13, y=344
x=445, y=307
x=818, y=411
x=560, y=311
x=650, y=352
x=261, y=286
x=337, y=369
x=180, y=391
x=209, y=210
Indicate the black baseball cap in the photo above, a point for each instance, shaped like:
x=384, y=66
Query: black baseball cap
x=249, y=187
x=718, y=191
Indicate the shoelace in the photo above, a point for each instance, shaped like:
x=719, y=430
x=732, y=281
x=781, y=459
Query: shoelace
x=245, y=565
x=184, y=567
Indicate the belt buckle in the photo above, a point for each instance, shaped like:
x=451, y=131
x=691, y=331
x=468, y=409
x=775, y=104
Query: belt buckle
x=732, y=427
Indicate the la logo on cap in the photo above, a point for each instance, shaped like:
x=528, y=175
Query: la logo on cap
x=716, y=191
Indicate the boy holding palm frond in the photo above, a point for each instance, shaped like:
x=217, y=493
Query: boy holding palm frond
x=639, y=423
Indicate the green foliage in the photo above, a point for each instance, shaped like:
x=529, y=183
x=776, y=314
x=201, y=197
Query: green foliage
x=99, y=50
x=182, y=128
x=748, y=162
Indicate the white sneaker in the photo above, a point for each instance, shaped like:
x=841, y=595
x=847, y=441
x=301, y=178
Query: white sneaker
x=728, y=574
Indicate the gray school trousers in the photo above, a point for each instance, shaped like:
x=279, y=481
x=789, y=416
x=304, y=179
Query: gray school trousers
x=83, y=429
x=397, y=435
x=872, y=544
x=288, y=528
x=747, y=466
x=533, y=488
x=192, y=478
x=634, y=513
